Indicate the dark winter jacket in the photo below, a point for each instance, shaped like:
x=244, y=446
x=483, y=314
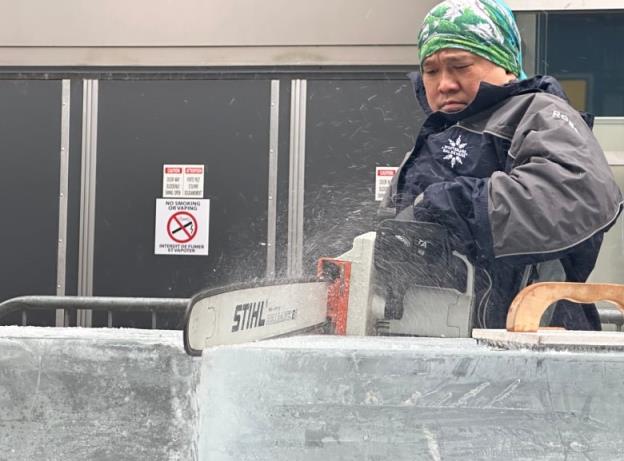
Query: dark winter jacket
x=518, y=179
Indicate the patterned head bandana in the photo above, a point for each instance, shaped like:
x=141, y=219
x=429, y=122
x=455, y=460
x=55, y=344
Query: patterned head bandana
x=486, y=28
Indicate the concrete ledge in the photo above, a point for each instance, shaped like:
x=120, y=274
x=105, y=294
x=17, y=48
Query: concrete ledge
x=331, y=398
x=91, y=394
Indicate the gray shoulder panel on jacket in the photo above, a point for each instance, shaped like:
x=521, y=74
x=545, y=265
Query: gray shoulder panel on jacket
x=560, y=190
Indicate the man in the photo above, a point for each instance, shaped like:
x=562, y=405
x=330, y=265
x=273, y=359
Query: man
x=504, y=163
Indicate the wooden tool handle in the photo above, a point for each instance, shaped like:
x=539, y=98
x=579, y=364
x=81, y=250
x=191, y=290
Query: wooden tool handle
x=529, y=305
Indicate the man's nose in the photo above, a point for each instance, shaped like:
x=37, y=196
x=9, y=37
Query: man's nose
x=447, y=83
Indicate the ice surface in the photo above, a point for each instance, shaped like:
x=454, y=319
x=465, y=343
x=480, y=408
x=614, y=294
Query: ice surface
x=89, y=394
x=357, y=398
x=121, y=335
x=96, y=394
x=359, y=343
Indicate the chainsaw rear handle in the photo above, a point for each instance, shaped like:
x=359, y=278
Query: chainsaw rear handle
x=529, y=305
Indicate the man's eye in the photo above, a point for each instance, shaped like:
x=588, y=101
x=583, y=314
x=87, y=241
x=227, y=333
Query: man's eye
x=430, y=71
x=462, y=66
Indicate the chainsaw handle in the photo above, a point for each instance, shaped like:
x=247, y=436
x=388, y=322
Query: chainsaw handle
x=529, y=305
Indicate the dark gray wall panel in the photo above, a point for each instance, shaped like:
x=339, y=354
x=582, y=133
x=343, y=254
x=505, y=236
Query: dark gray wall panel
x=145, y=124
x=352, y=127
x=30, y=130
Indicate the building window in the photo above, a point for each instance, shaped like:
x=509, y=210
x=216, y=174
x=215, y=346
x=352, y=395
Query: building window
x=582, y=50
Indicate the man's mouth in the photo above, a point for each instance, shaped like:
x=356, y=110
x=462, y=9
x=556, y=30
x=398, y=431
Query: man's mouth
x=452, y=106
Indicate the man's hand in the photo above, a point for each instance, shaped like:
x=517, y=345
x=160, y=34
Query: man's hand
x=420, y=212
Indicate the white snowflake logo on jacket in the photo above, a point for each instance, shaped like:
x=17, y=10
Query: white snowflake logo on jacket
x=455, y=151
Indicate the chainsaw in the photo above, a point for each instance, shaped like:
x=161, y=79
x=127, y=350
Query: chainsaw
x=403, y=279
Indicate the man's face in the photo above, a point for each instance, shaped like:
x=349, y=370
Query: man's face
x=452, y=76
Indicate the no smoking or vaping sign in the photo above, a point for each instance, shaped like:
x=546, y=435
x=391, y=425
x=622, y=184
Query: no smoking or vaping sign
x=182, y=226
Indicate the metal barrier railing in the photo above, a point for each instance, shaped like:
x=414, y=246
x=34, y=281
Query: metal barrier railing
x=109, y=304
x=157, y=306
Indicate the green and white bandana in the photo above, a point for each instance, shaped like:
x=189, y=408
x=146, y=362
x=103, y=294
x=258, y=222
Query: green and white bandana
x=486, y=28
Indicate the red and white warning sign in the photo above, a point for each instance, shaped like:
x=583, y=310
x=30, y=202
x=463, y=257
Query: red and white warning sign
x=182, y=226
x=183, y=181
x=383, y=177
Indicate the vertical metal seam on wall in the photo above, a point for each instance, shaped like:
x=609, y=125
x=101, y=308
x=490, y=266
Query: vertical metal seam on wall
x=303, y=90
x=87, y=195
x=296, y=177
x=272, y=193
x=61, y=262
x=292, y=187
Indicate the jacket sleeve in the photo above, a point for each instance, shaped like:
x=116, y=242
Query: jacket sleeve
x=558, y=193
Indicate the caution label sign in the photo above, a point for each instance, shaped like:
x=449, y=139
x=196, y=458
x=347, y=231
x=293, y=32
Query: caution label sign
x=183, y=181
x=182, y=227
x=383, y=177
